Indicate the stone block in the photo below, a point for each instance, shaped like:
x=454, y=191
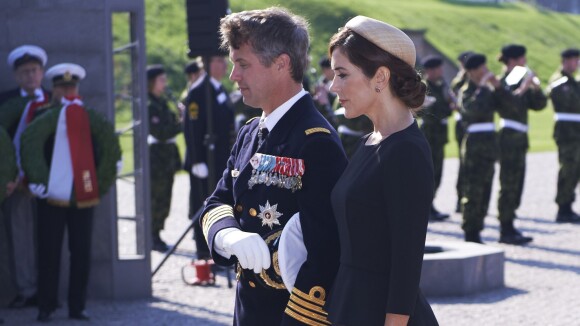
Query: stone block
x=461, y=268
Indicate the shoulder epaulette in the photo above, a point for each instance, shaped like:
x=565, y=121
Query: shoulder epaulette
x=252, y=119
x=558, y=82
x=315, y=130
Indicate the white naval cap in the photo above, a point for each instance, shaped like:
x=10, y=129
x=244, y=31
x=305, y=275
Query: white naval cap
x=21, y=52
x=65, y=73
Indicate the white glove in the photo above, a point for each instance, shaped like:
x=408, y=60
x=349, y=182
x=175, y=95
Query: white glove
x=38, y=189
x=250, y=249
x=200, y=170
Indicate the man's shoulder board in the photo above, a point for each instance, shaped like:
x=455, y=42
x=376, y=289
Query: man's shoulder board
x=316, y=130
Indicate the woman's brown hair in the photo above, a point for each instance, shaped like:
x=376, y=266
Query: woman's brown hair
x=405, y=81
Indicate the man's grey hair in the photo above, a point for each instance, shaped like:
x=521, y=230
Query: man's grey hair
x=270, y=32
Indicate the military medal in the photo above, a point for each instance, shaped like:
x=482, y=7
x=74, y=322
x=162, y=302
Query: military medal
x=269, y=215
x=283, y=172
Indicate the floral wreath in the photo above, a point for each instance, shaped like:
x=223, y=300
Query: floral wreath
x=105, y=143
x=8, y=169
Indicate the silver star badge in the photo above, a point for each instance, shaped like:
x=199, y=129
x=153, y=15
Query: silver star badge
x=269, y=215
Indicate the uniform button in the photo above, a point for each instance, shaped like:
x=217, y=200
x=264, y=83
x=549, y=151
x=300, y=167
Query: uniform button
x=253, y=212
x=239, y=208
x=252, y=284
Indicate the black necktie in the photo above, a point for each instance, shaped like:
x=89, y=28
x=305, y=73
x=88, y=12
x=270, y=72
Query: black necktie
x=262, y=135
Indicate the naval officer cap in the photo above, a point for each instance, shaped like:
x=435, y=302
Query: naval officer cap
x=25, y=54
x=512, y=51
x=385, y=36
x=474, y=61
x=431, y=61
x=65, y=74
x=570, y=53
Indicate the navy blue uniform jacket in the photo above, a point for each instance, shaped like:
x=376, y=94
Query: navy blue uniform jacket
x=301, y=133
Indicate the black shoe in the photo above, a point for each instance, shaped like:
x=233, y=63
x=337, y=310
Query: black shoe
x=44, y=316
x=458, y=207
x=18, y=302
x=473, y=237
x=514, y=239
x=31, y=301
x=158, y=244
x=82, y=315
x=435, y=215
x=567, y=217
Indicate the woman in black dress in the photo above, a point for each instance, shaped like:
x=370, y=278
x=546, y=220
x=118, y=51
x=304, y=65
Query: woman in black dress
x=383, y=198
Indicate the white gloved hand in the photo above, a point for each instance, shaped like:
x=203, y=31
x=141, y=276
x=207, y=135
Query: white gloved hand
x=250, y=249
x=200, y=170
x=38, y=189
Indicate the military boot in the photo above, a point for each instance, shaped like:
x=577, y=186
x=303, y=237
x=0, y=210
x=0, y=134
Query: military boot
x=435, y=215
x=473, y=236
x=566, y=215
x=158, y=243
x=510, y=235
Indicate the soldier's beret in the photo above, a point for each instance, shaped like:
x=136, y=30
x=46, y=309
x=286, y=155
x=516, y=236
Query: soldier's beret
x=474, y=61
x=26, y=53
x=463, y=55
x=570, y=53
x=511, y=51
x=153, y=71
x=324, y=62
x=193, y=67
x=431, y=61
x=65, y=73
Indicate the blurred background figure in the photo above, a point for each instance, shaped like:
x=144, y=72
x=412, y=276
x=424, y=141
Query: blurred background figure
x=19, y=208
x=164, y=160
x=323, y=97
x=437, y=108
x=565, y=94
x=513, y=137
x=195, y=130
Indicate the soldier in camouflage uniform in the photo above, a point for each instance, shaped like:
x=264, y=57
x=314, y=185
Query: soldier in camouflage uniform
x=478, y=100
x=456, y=85
x=565, y=94
x=437, y=109
x=513, y=137
x=164, y=126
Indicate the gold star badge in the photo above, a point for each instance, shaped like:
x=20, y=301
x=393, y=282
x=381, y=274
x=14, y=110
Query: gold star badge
x=269, y=215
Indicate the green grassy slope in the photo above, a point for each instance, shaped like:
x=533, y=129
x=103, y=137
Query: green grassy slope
x=450, y=25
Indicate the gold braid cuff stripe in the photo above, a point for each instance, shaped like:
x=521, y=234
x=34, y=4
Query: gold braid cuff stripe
x=312, y=297
x=305, y=320
x=215, y=215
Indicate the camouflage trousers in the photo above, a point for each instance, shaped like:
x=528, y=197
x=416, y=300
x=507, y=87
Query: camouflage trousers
x=569, y=174
x=437, y=155
x=459, y=134
x=164, y=161
x=479, y=156
x=513, y=147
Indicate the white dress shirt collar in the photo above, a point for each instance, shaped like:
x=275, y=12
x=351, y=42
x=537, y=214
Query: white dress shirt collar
x=272, y=119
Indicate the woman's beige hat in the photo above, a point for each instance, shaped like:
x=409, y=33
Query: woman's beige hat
x=385, y=36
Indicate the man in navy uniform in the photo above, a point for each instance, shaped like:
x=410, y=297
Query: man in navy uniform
x=285, y=162
x=27, y=62
x=195, y=129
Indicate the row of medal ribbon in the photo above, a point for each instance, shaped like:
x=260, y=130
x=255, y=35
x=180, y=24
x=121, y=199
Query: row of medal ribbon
x=284, y=172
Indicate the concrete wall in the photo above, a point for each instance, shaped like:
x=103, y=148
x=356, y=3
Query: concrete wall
x=80, y=32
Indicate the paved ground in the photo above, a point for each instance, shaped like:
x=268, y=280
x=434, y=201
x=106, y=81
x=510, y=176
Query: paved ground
x=542, y=279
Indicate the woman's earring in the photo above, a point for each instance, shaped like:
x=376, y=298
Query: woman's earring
x=377, y=89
